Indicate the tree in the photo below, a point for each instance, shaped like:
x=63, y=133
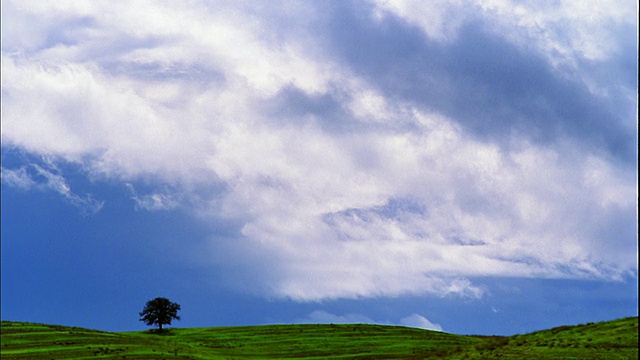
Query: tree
x=159, y=311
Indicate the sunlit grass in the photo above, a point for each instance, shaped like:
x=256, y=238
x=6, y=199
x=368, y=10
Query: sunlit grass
x=607, y=340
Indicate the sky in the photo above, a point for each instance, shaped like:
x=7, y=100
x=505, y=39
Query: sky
x=468, y=166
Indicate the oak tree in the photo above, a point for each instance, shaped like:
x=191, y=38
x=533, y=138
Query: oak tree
x=159, y=311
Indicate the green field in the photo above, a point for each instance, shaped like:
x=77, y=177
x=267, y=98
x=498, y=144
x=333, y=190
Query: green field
x=617, y=339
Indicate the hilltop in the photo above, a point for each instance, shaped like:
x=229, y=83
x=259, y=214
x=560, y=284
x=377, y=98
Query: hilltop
x=617, y=339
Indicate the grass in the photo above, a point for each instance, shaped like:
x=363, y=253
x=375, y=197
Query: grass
x=617, y=339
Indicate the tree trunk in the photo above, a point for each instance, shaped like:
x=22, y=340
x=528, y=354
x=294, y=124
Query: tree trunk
x=160, y=327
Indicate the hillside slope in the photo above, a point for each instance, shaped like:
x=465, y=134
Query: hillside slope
x=616, y=339
x=610, y=340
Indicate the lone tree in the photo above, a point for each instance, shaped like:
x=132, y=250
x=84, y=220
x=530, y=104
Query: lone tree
x=159, y=311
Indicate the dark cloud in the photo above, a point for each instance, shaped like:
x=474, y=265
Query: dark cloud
x=488, y=85
x=293, y=105
x=325, y=108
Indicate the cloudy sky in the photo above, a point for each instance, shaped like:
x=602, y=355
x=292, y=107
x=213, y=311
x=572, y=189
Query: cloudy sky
x=467, y=166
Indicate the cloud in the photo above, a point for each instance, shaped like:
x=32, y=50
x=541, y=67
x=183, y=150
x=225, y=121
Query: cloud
x=324, y=317
x=419, y=321
x=485, y=80
x=362, y=151
x=34, y=176
x=562, y=31
x=154, y=202
x=18, y=178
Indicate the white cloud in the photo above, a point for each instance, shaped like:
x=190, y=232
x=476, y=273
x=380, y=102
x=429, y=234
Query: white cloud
x=155, y=201
x=419, y=321
x=35, y=176
x=324, y=317
x=403, y=202
x=18, y=178
x=564, y=30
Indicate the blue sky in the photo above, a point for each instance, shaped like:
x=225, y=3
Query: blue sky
x=466, y=166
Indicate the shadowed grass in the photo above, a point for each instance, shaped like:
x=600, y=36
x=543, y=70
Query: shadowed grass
x=611, y=340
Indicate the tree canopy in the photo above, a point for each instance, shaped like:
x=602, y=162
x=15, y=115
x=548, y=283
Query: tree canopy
x=159, y=311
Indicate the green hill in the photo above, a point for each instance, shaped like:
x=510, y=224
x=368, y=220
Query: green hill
x=617, y=339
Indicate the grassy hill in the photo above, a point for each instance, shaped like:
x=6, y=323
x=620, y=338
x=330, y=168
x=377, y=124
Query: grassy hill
x=617, y=339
